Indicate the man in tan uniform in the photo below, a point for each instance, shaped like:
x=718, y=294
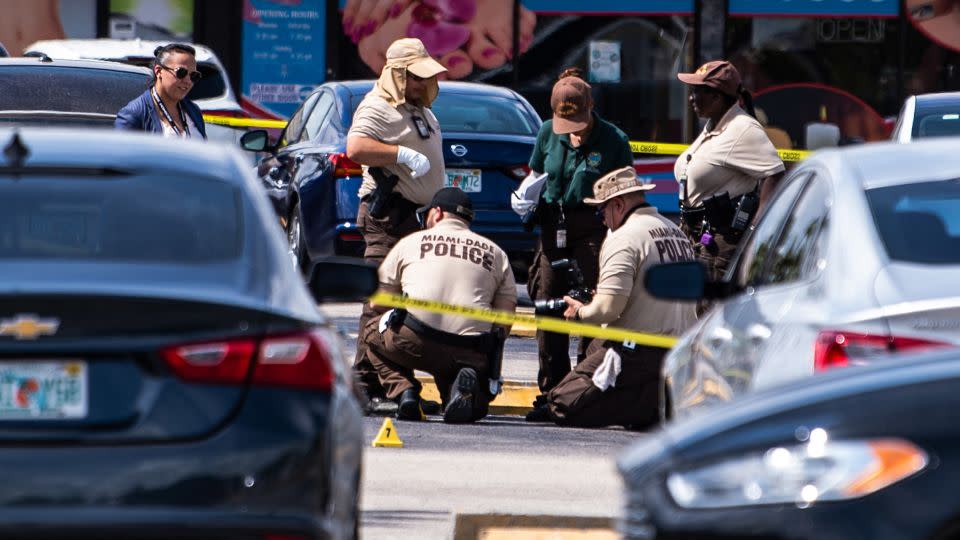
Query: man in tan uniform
x=619, y=383
x=446, y=262
x=394, y=130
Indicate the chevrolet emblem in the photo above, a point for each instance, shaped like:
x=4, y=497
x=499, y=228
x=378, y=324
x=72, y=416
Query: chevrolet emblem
x=28, y=326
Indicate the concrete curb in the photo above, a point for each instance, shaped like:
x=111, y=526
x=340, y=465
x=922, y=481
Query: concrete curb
x=505, y=526
x=516, y=399
x=523, y=330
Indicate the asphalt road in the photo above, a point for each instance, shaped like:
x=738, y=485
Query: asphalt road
x=499, y=465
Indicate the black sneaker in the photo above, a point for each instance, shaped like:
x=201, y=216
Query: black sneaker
x=429, y=406
x=409, y=408
x=463, y=394
x=539, y=414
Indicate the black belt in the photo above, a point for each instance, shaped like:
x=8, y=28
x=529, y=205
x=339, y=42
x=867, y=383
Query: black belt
x=480, y=342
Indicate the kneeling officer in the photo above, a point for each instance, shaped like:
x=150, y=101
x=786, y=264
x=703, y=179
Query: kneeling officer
x=446, y=262
x=619, y=383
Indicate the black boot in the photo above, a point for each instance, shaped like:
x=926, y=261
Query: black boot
x=409, y=408
x=539, y=413
x=463, y=394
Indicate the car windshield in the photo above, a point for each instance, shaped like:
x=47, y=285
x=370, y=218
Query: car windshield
x=68, y=89
x=152, y=218
x=473, y=113
x=919, y=222
x=943, y=123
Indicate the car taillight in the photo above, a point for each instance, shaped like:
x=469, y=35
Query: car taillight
x=300, y=360
x=297, y=360
x=218, y=362
x=518, y=172
x=839, y=349
x=344, y=166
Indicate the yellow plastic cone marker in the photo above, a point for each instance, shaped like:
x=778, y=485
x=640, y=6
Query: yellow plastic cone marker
x=387, y=437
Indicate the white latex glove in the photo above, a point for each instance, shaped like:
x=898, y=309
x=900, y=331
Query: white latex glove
x=418, y=163
x=521, y=206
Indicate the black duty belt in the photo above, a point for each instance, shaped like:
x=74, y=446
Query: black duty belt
x=479, y=342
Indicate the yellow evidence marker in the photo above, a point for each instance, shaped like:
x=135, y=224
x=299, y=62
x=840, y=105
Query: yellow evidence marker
x=387, y=437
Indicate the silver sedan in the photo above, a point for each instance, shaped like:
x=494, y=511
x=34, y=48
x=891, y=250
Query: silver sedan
x=855, y=258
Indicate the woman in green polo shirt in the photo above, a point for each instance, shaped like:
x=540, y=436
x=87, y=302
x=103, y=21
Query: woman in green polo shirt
x=575, y=149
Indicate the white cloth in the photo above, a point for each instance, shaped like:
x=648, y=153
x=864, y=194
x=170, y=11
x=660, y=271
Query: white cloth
x=169, y=132
x=525, y=198
x=382, y=327
x=606, y=374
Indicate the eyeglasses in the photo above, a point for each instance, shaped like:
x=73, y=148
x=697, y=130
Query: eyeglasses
x=182, y=72
x=600, y=208
x=421, y=214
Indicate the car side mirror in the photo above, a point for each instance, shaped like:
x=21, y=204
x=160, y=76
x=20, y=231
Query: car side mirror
x=255, y=141
x=342, y=279
x=682, y=281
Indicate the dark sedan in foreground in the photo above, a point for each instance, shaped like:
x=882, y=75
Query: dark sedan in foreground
x=488, y=136
x=164, y=372
x=861, y=453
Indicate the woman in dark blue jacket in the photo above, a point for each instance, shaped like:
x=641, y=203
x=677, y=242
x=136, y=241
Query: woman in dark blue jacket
x=163, y=108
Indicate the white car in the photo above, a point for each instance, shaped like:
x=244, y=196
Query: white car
x=928, y=115
x=855, y=257
x=212, y=93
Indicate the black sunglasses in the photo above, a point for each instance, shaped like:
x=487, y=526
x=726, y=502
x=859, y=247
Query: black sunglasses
x=182, y=72
x=600, y=208
x=421, y=214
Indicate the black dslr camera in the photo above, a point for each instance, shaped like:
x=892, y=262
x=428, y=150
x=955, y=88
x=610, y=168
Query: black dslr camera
x=578, y=291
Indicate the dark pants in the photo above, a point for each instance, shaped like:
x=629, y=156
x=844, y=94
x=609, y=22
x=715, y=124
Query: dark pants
x=715, y=257
x=396, y=354
x=585, y=234
x=633, y=402
x=380, y=235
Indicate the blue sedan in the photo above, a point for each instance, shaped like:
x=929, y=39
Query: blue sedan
x=488, y=135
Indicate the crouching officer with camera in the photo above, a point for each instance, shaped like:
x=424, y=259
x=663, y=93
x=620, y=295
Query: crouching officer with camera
x=396, y=137
x=449, y=263
x=618, y=383
x=729, y=171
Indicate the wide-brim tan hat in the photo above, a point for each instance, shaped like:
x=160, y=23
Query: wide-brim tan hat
x=616, y=183
x=411, y=54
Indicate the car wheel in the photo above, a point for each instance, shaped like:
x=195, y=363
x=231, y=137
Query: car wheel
x=295, y=243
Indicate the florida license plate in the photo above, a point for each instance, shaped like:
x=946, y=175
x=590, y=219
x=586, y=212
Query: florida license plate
x=469, y=180
x=43, y=390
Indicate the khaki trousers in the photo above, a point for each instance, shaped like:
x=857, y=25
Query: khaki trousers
x=396, y=354
x=633, y=402
x=380, y=235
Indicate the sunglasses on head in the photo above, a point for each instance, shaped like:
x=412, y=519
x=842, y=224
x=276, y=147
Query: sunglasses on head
x=182, y=72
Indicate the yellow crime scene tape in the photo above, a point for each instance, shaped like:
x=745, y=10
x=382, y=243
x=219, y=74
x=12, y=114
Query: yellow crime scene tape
x=549, y=324
x=671, y=149
x=244, y=122
x=637, y=147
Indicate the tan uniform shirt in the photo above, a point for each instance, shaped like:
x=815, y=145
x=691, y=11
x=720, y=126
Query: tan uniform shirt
x=731, y=157
x=450, y=263
x=378, y=120
x=644, y=240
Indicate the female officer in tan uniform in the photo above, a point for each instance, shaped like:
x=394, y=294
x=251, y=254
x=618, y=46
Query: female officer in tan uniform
x=732, y=156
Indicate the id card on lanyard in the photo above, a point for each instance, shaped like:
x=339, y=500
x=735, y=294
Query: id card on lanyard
x=169, y=118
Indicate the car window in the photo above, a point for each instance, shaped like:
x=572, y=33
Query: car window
x=161, y=218
x=918, y=222
x=479, y=113
x=798, y=251
x=939, y=125
x=68, y=89
x=319, y=117
x=291, y=133
x=756, y=251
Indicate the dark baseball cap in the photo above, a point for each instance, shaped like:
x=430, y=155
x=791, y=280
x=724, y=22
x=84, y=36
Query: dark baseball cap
x=450, y=199
x=718, y=74
x=571, y=103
